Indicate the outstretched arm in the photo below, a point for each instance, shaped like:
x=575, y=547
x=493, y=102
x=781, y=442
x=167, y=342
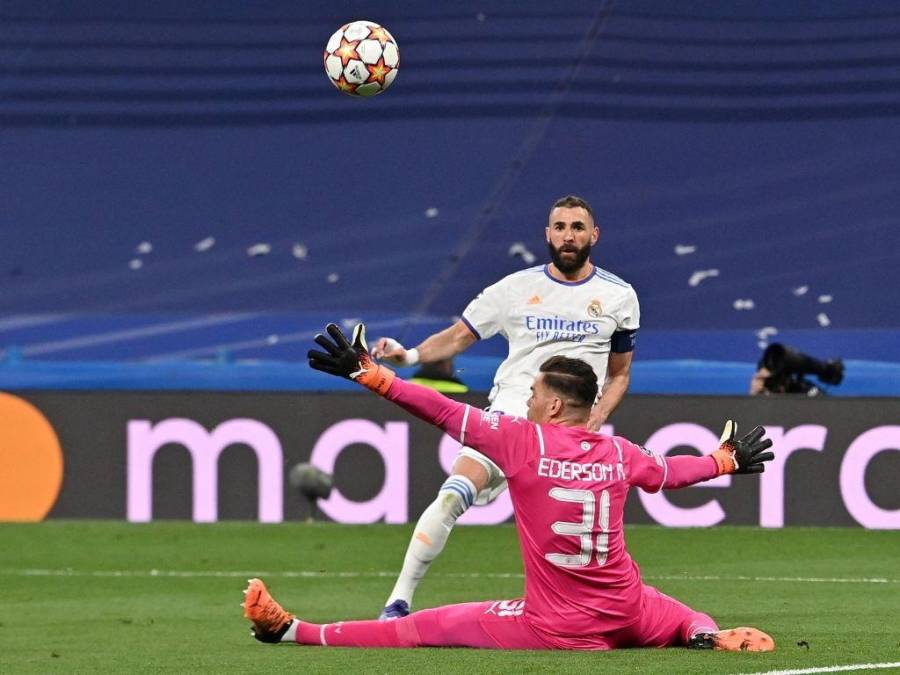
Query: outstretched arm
x=745, y=455
x=443, y=345
x=435, y=408
x=686, y=470
x=499, y=437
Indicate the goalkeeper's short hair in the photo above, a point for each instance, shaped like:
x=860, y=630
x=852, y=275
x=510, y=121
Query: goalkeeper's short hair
x=573, y=379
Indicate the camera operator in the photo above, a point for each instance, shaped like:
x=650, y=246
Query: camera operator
x=781, y=370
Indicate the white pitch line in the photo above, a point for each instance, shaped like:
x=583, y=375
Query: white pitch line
x=318, y=574
x=315, y=574
x=813, y=580
x=830, y=669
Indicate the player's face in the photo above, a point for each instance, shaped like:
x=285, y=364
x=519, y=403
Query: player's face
x=570, y=234
x=543, y=402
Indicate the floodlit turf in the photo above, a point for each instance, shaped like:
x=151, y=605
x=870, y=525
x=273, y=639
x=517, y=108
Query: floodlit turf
x=185, y=616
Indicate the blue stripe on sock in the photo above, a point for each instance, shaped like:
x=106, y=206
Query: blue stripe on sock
x=461, y=484
x=462, y=494
x=457, y=481
x=464, y=491
x=462, y=488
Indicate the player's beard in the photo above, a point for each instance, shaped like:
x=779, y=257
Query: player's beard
x=569, y=264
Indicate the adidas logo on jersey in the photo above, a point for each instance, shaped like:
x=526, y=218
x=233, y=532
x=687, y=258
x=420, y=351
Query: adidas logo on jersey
x=534, y=300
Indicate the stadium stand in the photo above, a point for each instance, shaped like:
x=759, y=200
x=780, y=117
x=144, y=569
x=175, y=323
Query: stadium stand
x=184, y=190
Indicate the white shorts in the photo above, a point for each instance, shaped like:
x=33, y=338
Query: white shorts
x=509, y=402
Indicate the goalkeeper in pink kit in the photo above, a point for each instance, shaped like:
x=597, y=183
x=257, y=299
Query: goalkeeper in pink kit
x=568, y=487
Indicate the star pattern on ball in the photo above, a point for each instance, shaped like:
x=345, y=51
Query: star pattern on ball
x=378, y=71
x=380, y=34
x=347, y=51
x=343, y=85
x=348, y=64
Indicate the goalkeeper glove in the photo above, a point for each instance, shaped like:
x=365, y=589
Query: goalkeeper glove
x=350, y=360
x=745, y=455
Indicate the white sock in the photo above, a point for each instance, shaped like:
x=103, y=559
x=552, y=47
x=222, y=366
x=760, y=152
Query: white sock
x=291, y=634
x=455, y=496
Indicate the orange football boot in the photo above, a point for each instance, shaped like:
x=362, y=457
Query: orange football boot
x=741, y=639
x=270, y=621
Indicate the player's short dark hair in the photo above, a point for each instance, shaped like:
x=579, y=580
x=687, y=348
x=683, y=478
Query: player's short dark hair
x=572, y=202
x=572, y=379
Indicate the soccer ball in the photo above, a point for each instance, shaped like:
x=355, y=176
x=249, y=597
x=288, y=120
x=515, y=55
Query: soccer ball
x=361, y=58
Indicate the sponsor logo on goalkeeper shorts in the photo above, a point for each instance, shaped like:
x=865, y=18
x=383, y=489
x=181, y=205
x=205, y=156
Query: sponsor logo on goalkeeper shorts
x=507, y=608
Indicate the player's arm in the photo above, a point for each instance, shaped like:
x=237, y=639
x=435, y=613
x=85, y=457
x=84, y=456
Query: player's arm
x=497, y=436
x=618, y=376
x=653, y=472
x=618, y=368
x=443, y=345
x=482, y=318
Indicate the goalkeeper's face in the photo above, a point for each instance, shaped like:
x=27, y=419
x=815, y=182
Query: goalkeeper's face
x=544, y=404
x=570, y=235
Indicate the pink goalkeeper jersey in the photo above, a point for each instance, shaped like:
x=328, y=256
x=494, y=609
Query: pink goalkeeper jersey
x=568, y=486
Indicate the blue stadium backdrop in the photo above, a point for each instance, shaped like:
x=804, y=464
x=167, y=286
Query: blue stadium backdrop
x=180, y=181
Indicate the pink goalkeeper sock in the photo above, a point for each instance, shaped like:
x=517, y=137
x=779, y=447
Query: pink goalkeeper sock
x=462, y=625
x=397, y=633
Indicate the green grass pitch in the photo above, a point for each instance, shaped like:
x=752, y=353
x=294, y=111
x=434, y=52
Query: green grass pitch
x=111, y=597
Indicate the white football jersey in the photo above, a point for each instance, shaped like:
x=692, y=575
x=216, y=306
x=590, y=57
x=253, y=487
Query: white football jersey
x=542, y=317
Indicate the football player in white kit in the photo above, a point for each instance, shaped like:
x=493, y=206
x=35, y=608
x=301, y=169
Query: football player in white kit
x=569, y=307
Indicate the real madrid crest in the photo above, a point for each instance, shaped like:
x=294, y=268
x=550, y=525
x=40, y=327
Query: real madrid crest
x=595, y=309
